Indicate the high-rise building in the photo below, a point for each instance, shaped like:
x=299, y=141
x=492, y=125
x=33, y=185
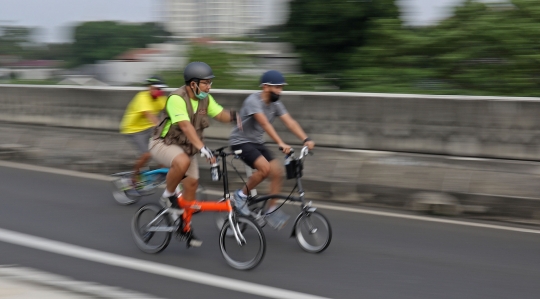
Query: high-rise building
x=198, y=18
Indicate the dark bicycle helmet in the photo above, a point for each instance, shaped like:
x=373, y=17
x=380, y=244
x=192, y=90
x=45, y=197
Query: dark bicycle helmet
x=156, y=81
x=272, y=78
x=197, y=71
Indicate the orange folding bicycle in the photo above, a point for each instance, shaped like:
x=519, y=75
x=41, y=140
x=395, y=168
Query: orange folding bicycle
x=241, y=240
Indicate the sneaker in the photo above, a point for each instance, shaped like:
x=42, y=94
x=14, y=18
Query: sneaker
x=175, y=210
x=193, y=241
x=190, y=238
x=240, y=202
x=277, y=219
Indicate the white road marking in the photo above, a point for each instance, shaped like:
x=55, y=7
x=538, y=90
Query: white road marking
x=426, y=218
x=324, y=206
x=95, y=290
x=67, y=172
x=112, y=259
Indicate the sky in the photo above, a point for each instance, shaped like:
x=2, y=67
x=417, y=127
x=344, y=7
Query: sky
x=55, y=16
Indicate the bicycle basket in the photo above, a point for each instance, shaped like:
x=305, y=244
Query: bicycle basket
x=294, y=169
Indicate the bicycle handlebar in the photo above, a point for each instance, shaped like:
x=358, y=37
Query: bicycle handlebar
x=220, y=152
x=303, y=152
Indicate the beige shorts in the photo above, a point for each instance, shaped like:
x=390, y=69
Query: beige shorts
x=165, y=154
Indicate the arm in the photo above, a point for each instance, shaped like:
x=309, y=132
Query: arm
x=269, y=129
x=295, y=128
x=151, y=117
x=226, y=116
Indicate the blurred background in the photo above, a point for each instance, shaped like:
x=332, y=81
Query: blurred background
x=393, y=46
x=388, y=89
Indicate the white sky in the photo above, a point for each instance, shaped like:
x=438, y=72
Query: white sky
x=54, y=16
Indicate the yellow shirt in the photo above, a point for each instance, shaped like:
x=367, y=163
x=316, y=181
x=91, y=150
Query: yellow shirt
x=134, y=120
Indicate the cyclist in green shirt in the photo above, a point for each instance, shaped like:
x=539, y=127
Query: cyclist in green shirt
x=179, y=137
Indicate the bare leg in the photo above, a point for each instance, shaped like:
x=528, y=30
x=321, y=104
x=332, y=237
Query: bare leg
x=276, y=179
x=143, y=159
x=177, y=171
x=190, y=188
x=263, y=170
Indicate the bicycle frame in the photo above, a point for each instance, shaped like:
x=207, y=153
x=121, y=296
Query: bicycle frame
x=301, y=193
x=189, y=207
x=306, y=207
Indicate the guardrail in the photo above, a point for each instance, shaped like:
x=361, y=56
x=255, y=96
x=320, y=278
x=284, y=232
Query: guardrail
x=499, y=127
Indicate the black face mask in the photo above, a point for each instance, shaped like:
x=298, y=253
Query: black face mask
x=274, y=97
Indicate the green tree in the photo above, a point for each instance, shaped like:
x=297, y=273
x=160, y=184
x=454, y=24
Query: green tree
x=14, y=40
x=325, y=33
x=104, y=40
x=481, y=49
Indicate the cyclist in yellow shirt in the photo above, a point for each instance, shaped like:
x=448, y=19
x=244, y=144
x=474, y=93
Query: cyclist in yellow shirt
x=140, y=117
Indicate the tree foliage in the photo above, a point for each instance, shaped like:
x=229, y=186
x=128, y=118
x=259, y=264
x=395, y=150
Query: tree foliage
x=104, y=40
x=325, y=32
x=482, y=49
x=15, y=40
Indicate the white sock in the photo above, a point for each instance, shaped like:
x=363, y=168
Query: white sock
x=167, y=193
x=241, y=193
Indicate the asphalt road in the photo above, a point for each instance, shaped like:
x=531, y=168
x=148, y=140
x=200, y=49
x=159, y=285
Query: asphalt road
x=371, y=256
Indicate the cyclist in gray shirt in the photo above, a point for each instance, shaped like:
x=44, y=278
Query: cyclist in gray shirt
x=257, y=114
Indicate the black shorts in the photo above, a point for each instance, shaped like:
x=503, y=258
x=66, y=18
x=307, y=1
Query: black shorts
x=252, y=151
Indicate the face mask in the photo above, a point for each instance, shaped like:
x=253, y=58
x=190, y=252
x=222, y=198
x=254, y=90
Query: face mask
x=274, y=97
x=201, y=95
x=155, y=93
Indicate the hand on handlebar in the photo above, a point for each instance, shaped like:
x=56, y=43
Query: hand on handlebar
x=310, y=144
x=285, y=148
x=207, y=153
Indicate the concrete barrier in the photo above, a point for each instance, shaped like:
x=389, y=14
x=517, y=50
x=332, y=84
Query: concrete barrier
x=396, y=126
x=452, y=125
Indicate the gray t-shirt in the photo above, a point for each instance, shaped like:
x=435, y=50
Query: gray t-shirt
x=252, y=130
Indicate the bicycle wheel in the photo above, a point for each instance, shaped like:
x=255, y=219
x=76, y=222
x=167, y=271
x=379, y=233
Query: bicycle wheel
x=122, y=195
x=248, y=255
x=313, y=232
x=151, y=238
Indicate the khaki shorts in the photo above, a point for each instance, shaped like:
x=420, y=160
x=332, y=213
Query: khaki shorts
x=165, y=154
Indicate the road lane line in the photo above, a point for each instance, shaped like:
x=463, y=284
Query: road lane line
x=323, y=206
x=46, y=169
x=112, y=259
x=426, y=218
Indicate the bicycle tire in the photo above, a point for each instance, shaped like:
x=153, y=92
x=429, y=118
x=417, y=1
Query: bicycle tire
x=253, y=235
x=143, y=237
x=121, y=196
x=317, y=228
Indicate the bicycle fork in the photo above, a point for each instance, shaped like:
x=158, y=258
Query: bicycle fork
x=236, y=230
x=306, y=210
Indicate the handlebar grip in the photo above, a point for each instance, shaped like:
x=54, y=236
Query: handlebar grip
x=290, y=152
